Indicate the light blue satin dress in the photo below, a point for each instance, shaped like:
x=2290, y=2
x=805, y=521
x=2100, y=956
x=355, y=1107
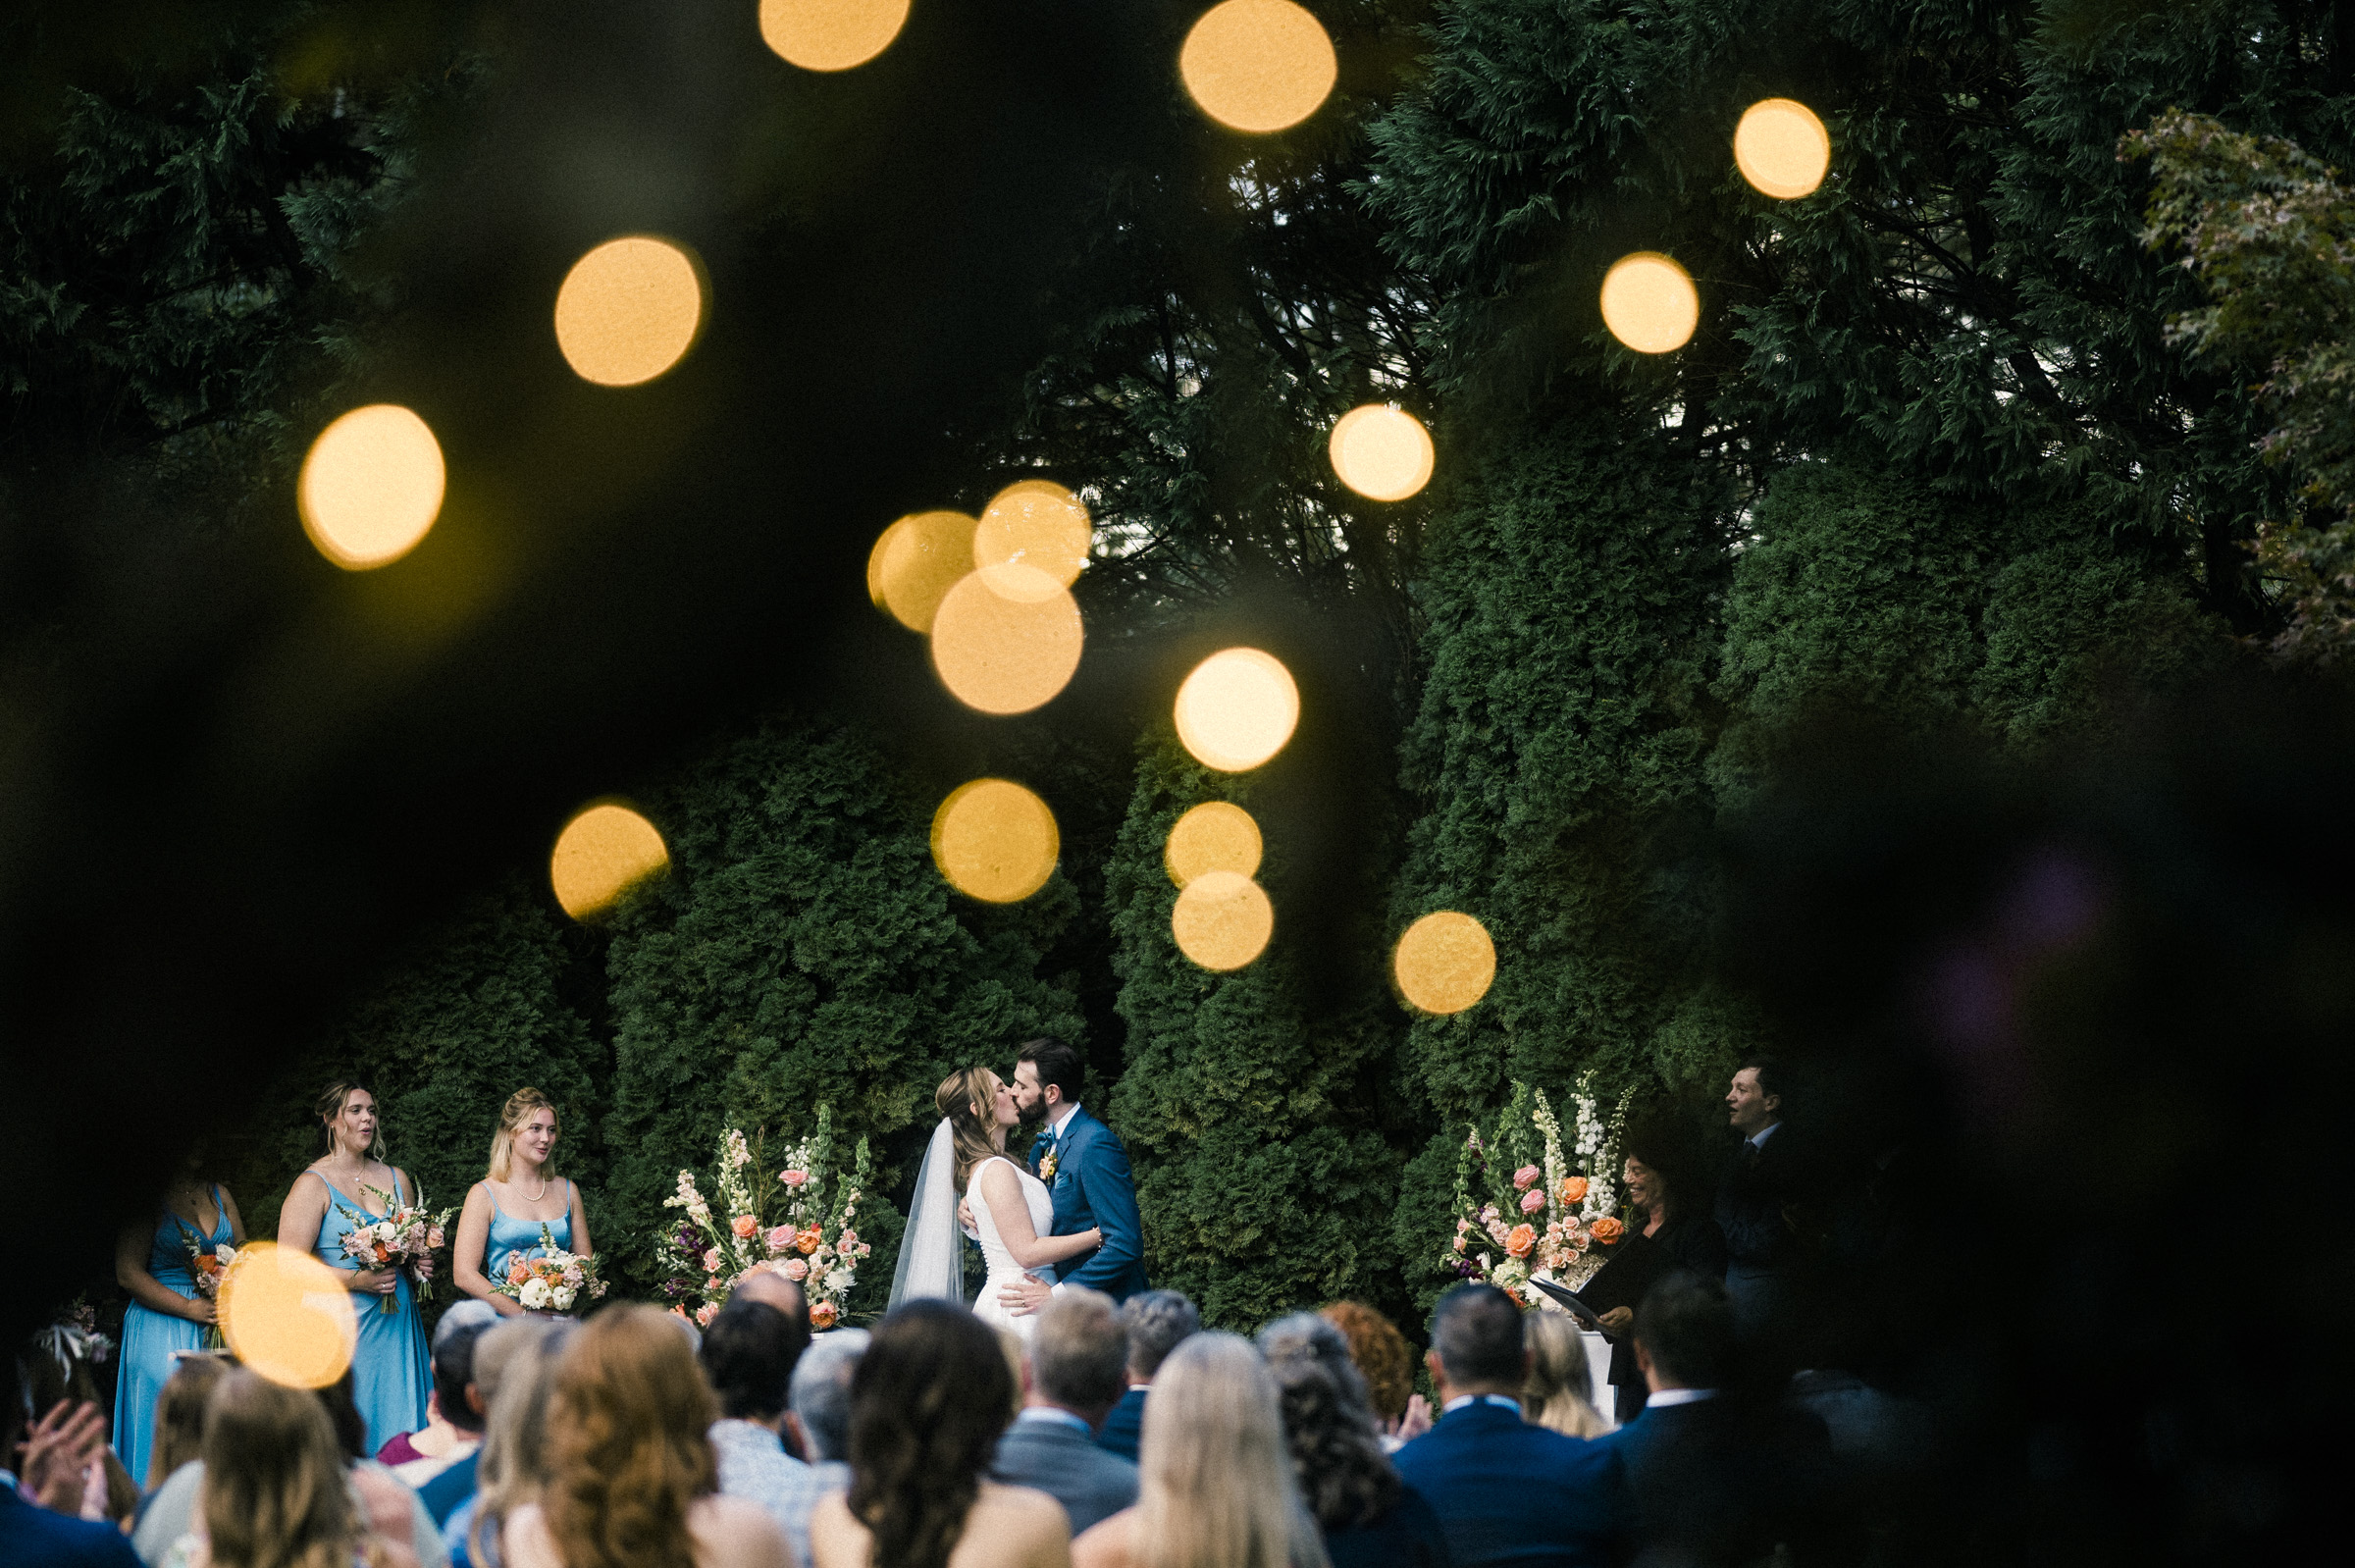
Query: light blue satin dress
x=150, y=1338
x=511, y=1237
x=392, y=1370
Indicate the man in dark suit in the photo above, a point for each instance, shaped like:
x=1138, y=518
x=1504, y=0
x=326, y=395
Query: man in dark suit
x=1078, y=1371
x=40, y=1492
x=1087, y=1170
x=1506, y=1491
x=1156, y=1321
x=1755, y=1202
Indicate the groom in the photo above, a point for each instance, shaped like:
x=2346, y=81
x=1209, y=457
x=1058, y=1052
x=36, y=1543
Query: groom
x=1087, y=1170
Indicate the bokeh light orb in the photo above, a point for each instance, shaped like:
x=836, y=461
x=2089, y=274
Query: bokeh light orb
x=371, y=487
x=1381, y=453
x=1258, y=65
x=1649, y=303
x=629, y=310
x=995, y=841
x=1223, y=920
x=1215, y=836
x=831, y=35
x=1782, y=148
x=604, y=852
x=1237, y=709
x=1444, y=963
x=288, y=1316
x=914, y=563
x=1006, y=640
x=1035, y=523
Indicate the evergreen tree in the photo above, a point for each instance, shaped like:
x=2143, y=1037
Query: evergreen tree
x=804, y=951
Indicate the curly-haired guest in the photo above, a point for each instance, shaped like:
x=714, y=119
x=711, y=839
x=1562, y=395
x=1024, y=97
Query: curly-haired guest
x=1371, y=1519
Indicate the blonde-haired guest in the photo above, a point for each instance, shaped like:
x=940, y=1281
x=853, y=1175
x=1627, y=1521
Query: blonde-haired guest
x=1217, y=1488
x=1558, y=1393
x=519, y=1194
x=631, y=1478
x=275, y=1492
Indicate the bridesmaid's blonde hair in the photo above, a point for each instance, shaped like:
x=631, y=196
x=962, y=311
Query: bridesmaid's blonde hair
x=519, y=1108
x=1216, y=1487
x=959, y=1096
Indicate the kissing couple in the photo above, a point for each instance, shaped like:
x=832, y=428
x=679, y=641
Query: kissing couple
x=1070, y=1219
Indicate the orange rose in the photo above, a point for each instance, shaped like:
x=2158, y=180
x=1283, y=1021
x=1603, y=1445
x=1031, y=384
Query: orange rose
x=821, y=1315
x=743, y=1224
x=1573, y=1190
x=808, y=1241
x=1608, y=1229
x=518, y=1270
x=1522, y=1238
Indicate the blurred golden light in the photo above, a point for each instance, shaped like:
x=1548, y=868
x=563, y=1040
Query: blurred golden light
x=1034, y=522
x=1445, y=962
x=288, y=1316
x=914, y=563
x=995, y=841
x=1006, y=640
x=1381, y=452
x=831, y=35
x=371, y=487
x=1223, y=920
x=1258, y=65
x=1649, y=303
x=603, y=852
x=1237, y=709
x=629, y=310
x=1215, y=836
x=1782, y=148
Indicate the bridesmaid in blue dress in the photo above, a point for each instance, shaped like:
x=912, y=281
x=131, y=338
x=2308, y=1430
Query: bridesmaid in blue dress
x=167, y=1314
x=392, y=1372
x=505, y=1210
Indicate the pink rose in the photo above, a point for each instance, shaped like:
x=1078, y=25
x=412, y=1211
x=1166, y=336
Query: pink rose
x=780, y=1239
x=1532, y=1201
x=849, y=1234
x=706, y=1313
x=847, y=1246
x=743, y=1224
x=795, y=1269
x=793, y=1179
x=1524, y=1177
x=711, y=1260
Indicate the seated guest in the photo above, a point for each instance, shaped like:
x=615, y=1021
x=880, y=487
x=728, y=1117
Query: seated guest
x=1155, y=1321
x=514, y=1367
x=820, y=1417
x=1557, y=1394
x=439, y=1438
x=60, y=1372
x=46, y=1469
x=277, y=1490
x=1388, y=1364
x=748, y=1353
x=1078, y=1372
x=930, y=1398
x=179, y=1430
x=1369, y=1516
x=1507, y=1491
x=457, y=1405
x=1217, y=1489
x=631, y=1481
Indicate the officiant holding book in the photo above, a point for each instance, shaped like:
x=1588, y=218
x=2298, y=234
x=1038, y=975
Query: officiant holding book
x=1674, y=1231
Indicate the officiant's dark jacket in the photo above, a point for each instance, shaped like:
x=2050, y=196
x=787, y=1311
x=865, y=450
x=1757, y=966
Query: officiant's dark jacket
x=1691, y=1243
x=1510, y=1492
x=1093, y=1186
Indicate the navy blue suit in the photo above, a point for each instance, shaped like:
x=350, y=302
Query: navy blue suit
x=1092, y=1186
x=1508, y=1491
x=32, y=1537
x=1125, y=1428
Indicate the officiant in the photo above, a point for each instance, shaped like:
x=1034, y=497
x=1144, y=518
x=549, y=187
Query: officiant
x=1674, y=1231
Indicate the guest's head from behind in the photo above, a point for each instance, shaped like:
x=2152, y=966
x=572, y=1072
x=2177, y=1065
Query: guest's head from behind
x=1329, y=1423
x=931, y=1397
x=821, y=1393
x=180, y=1414
x=514, y=1366
x=1382, y=1356
x=748, y=1353
x=1559, y=1393
x=1079, y=1354
x=1156, y=1321
x=1478, y=1344
x=1216, y=1483
x=1313, y=1336
x=1048, y=1076
x=629, y=1455
x=527, y=1125
x=978, y=1106
x=348, y=1120
x=343, y=1416
x=1685, y=1334
x=455, y=1394
x=1755, y=1102
x=275, y=1494
x=772, y=1289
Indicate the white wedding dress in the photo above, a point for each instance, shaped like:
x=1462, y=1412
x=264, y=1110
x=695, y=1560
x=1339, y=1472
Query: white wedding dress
x=1003, y=1270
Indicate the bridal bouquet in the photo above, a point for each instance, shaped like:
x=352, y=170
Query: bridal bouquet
x=407, y=1234
x=1516, y=1193
x=801, y=1227
x=552, y=1281
x=209, y=1264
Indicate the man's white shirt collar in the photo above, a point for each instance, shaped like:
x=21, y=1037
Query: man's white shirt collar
x=1056, y=1127
x=1678, y=1396
x=1464, y=1400
x=1758, y=1140
x=1050, y=1415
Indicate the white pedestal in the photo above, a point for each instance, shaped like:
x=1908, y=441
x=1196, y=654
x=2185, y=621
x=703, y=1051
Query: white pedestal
x=1599, y=1374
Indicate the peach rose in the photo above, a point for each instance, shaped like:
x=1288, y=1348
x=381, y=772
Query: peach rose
x=821, y=1315
x=1524, y=1177
x=793, y=1179
x=808, y=1241
x=711, y=1260
x=706, y=1313
x=1531, y=1202
x=743, y=1224
x=780, y=1239
x=1522, y=1238
x=1608, y=1229
x=519, y=1271
x=1573, y=1190
x=795, y=1269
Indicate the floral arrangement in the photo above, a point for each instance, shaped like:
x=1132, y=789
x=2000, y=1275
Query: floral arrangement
x=405, y=1237
x=1523, y=1212
x=552, y=1281
x=209, y=1264
x=801, y=1227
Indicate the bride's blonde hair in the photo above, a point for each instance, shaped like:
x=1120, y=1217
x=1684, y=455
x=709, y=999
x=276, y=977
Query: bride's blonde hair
x=1216, y=1487
x=966, y=1099
x=518, y=1110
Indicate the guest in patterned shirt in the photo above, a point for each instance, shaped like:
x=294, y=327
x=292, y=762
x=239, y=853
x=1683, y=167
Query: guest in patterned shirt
x=748, y=1353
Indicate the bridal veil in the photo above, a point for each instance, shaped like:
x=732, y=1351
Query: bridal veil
x=932, y=1251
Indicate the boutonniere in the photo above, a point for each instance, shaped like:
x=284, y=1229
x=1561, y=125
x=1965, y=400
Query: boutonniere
x=1046, y=1167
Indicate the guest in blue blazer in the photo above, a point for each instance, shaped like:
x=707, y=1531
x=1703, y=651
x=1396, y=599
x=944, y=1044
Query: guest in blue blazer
x=1086, y=1171
x=1507, y=1491
x=1155, y=1321
x=40, y=1531
x=1078, y=1371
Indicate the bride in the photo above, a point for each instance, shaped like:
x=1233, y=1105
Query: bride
x=1013, y=1215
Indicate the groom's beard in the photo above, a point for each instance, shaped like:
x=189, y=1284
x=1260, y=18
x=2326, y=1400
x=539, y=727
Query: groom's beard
x=1033, y=1115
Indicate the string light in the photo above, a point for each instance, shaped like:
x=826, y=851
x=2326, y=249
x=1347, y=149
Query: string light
x=914, y=563
x=1237, y=709
x=287, y=1316
x=1380, y=452
x=629, y=310
x=1035, y=523
x=1006, y=640
x=1223, y=921
x=995, y=841
x=1258, y=65
x=371, y=487
x=1444, y=963
x=1782, y=148
x=604, y=852
x=831, y=35
x=1215, y=836
x=1649, y=303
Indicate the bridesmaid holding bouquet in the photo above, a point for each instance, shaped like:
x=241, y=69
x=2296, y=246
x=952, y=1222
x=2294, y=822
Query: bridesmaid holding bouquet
x=520, y=1195
x=392, y=1372
x=156, y=1263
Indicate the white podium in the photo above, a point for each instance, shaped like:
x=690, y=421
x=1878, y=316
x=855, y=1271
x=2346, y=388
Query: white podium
x=1599, y=1375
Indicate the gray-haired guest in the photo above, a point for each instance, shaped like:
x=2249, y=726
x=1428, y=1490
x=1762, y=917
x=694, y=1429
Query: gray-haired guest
x=1078, y=1371
x=819, y=1417
x=1156, y=1321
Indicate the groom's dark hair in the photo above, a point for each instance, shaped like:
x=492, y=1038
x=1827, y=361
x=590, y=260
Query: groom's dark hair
x=1056, y=1064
